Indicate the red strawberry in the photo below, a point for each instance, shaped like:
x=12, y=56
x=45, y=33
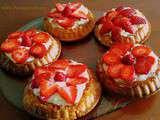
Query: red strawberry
x=30, y=32
x=75, y=81
x=34, y=84
x=47, y=88
x=38, y=50
x=126, y=24
x=60, y=64
x=74, y=5
x=117, y=21
x=55, y=15
x=101, y=20
x=111, y=58
x=111, y=15
x=118, y=49
x=67, y=11
x=128, y=59
x=60, y=7
x=143, y=64
x=16, y=34
x=20, y=55
x=73, y=90
x=127, y=12
x=41, y=37
x=26, y=41
x=127, y=73
x=137, y=20
x=116, y=36
x=59, y=76
x=106, y=27
x=79, y=14
x=75, y=70
x=66, y=22
x=141, y=51
x=40, y=70
x=114, y=70
x=9, y=45
x=120, y=8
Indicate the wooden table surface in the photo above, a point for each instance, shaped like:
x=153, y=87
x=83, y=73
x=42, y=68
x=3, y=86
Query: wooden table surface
x=16, y=13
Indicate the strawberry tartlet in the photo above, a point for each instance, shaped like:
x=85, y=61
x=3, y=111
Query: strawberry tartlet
x=69, y=22
x=64, y=89
x=122, y=25
x=22, y=51
x=133, y=71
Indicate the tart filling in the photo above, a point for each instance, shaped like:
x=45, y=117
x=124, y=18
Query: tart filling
x=26, y=46
x=123, y=21
x=69, y=15
x=62, y=83
x=126, y=63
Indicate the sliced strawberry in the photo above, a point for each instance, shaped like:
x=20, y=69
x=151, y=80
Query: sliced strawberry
x=47, y=88
x=40, y=70
x=60, y=64
x=117, y=21
x=127, y=12
x=111, y=15
x=73, y=90
x=66, y=22
x=59, y=76
x=30, y=32
x=20, y=55
x=26, y=41
x=16, y=34
x=74, y=5
x=137, y=20
x=106, y=27
x=55, y=15
x=34, y=84
x=101, y=20
x=126, y=24
x=60, y=7
x=127, y=73
x=120, y=8
x=141, y=51
x=67, y=11
x=9, y=45
x=114, y=70
x=38, y=50
x=79, y=14
x=143, y=64
x=111, y=58
x=75, y=81
x=118, y=49
x=75, y=70
x=41, y=37
x=116, y=36
x=128, y=59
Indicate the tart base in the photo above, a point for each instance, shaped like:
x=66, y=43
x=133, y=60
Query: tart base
x=28, y=68
x=89, y=100
x=139, y=89
x=70, y=34
x=106, y=40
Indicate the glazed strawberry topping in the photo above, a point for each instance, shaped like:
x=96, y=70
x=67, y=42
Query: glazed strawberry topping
x=125, y=60
x=65, y=15
x=30, y=40
x=121, y=18
x=62, y=77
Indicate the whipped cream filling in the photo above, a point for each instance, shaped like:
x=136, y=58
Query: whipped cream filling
x=77, y=23
x=56, y=98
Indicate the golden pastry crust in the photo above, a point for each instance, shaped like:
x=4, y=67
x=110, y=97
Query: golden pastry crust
x=71, y=34
x=28, y=68
x=88, y=101
x=138, y=89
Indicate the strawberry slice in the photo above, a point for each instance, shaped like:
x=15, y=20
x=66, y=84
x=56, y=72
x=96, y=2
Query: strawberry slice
x=117, y=21
x=111, y=58
x=26, y=41
x=127, y=12
x=47, y=88
x=115, y=70
x=60, y=7
x=60, y=64
x=74, y=5
x=141, y=51
x=75, y=70
x=30, y=32
x=126, y=24
x=106, y=27
x=127, y=73
x=66, y=22
x=75, y=81
x=55, y=15
x=143, y=64
x=38, y=50
x=79, y=14
x=16, y=34
x=116, y=36
x=59, y=76
x=135, y=20
x=41, y=37
x=128, y=59
x=20, y=55
x=40, y=70
x=118, y=49
x=73, y=90
x=9, y=45
x=67, y=11
x=120, y=8
x=111, y=15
